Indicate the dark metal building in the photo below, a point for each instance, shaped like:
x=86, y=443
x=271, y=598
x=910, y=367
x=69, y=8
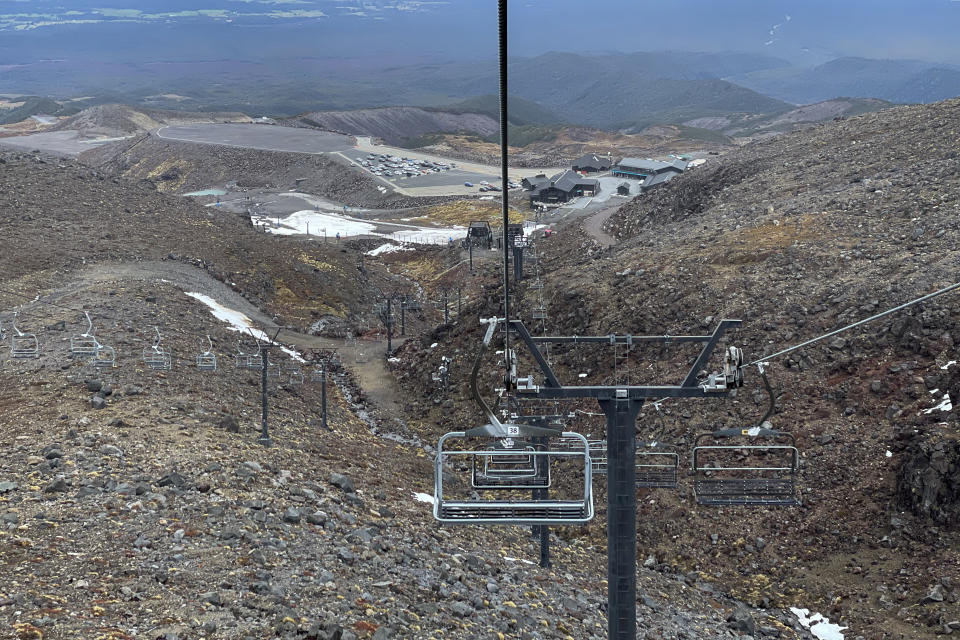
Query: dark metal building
x=592, y=163
x=561, y=187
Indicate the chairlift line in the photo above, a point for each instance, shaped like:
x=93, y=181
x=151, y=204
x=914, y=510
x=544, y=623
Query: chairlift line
x=929, y=296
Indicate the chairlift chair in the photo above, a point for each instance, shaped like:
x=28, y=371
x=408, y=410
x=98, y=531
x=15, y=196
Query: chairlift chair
x=316, y=375
x=515, y=507
x=294, y=375
x=245, y=359
x=23, y=345
x=157, y=357
x=84, y=345
x=539, y=313
x=658, y=464
x=105, y=358
x=207, y=361
x=756, y=466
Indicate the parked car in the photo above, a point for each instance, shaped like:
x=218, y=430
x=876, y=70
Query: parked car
x=468, y=184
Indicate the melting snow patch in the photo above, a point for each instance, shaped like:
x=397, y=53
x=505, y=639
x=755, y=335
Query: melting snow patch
x=945, y=405
x=239, y=322
x=889, y=453
x=819, y=626
x=388, y=248
x=434, y=345
x=948, y=365
x=423, y=497
x=509, y=559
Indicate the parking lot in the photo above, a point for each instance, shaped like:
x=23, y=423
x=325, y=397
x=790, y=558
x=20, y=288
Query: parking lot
x=258, y=136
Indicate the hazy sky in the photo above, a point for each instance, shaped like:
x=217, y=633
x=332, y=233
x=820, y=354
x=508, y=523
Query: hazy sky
x=806, y=31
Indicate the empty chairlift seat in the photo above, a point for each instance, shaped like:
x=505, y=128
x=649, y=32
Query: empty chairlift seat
x=84, y=345
x=23, y=345
x=248, y=356
x=207, y=360
x=657, y=465
x=745, y=467
x=505, y=474
x=158, y=357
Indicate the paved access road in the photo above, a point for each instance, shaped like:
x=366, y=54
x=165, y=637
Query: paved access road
x=258, y=136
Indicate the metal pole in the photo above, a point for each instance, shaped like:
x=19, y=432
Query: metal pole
x=470, y=245
x=403, y=318
x=264, y=438
x=323, y=394
x=389, y=328
x=459, y=300
x=621, y=516
x=446, y=310
x=502, y=37
x=543, y=531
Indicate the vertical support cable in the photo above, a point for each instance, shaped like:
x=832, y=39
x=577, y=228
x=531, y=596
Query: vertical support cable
x=504, y=178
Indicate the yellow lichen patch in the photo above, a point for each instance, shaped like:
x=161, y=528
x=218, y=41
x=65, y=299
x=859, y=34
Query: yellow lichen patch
x=326, y=267
x=181, y=166
x=463, y=212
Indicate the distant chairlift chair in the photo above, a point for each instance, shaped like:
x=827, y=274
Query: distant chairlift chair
x=157, y=357
x=245, y=358
x=207, y=360
x=23, y=345
x=84, y=345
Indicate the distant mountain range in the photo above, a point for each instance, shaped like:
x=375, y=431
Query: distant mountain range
x=904, y=81
x=616, y=92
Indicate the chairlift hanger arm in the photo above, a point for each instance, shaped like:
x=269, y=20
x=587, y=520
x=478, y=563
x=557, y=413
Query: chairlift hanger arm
x=689, y=389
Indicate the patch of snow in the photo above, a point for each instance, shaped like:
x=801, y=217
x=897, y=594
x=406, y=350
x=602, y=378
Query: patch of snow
x=423, y=497
x=330, y=224
x=509, y=559
x=239, y=322
x=945, y=405
x=889, y=453
x=393, y=359
x=434, y=345
x=819, y=626
x=388, y=248
x=948, y=365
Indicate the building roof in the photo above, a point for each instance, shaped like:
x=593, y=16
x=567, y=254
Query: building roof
x=643, y=164
x=659, y=178
x=593, y=161
x=570, y=180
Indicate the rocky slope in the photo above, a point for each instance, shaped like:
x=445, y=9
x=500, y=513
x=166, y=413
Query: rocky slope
x=114, y=120
x=796, y=236
x=178, y=167
x=395, y=125
x=136, y=504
